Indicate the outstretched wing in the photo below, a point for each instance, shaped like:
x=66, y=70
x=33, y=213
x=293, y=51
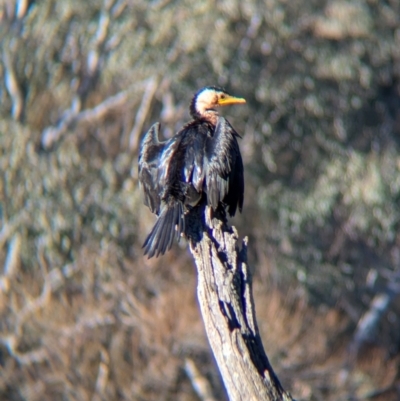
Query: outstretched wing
x=193, y=161
x=169, y=164
x=149, y=157
x=182, y=162
x=224, y=168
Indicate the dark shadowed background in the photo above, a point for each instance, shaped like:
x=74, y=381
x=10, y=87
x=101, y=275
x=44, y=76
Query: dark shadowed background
x=83, y=316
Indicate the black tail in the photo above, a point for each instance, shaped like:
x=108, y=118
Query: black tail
x=169, y=225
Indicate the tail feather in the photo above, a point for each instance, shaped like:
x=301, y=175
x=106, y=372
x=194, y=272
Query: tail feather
x=169, y=225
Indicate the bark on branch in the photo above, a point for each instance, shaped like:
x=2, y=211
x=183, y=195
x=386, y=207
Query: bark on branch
x=225, y=296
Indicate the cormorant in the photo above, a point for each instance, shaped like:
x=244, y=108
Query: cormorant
x=202, y=158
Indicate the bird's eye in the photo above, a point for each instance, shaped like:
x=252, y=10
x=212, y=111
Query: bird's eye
x=222, y=96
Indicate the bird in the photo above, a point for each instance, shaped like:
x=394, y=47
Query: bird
x=201, y=160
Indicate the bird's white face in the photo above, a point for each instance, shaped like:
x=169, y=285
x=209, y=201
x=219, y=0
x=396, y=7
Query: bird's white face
x=207, y=100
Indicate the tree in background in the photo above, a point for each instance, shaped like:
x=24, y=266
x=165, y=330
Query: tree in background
x=83, y=315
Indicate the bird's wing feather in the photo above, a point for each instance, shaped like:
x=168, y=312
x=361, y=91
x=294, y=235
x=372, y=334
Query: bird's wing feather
x=183, y=157
x=189, y=154
x=224, y=168
x=149, y=156
x=194, y=171
x=167, y=166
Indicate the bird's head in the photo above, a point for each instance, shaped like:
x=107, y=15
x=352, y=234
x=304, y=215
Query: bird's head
x=206, y=101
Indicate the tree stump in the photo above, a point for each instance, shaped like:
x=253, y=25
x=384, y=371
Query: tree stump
x=225, y=296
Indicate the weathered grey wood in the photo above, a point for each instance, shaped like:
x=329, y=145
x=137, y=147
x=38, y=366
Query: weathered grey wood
x=225, y=296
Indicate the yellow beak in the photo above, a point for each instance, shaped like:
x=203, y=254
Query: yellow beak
x=227, y=100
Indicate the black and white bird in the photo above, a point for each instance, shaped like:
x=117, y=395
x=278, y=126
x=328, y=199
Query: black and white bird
x=202, y=159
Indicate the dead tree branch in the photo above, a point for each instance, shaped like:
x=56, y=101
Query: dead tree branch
x=87, y=80
x=368, y=324
x=13, y=86
x=142, y=112
x=53, y=134
x=225, y=296
x=199, y=382
x=11, y=263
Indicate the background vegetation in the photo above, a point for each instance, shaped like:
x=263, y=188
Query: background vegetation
x=83, y=316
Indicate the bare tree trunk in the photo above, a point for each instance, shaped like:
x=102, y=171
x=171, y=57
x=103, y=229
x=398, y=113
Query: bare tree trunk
x=225, y=296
